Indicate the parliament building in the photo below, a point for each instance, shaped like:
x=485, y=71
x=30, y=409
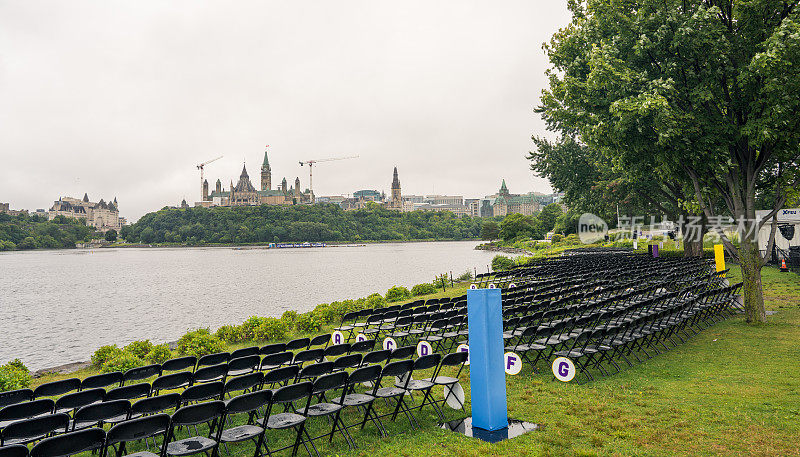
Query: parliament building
x=244, y=193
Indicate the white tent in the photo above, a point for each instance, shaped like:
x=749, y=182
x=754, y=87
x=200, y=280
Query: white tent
x=789, y=217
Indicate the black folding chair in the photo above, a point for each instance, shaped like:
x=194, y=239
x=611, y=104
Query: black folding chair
x=69, y=403
x=141, y=373
x=309, y=355
x=362, y=346
x=56, y=388
x=404, y=352
x=281, y=376
x=278, y=359
x=14, y=450
x=26, y=410
x=70, y=444
x=101, y=381
x=375, y=357
x=320, y=340
x=455, y=359
x=131, y=392
x=179, y=364
x=402, y=369
x=337, y=350
x=347, y=361
x=172, y=381
x=325, y=408
x=313, y=371
x=211, y=373
x=295, y=420
x=209, y=413
x=247, y=404
x=109, y=412
x=299, y=343
x=244, y=365
x=272, y=348
x=365, y=375
x=33, y=429
x=252, y=381
x=426, y=362
x=244, y=352
x=134, y=430
x=12, y=397
x=202, y=392
x=213, y=359
x=155, y=405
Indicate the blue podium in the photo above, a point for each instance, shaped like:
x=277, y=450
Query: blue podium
x=487, y=375
x=489, y=421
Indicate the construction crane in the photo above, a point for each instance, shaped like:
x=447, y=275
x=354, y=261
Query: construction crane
x=311, y=163
x=201, y=167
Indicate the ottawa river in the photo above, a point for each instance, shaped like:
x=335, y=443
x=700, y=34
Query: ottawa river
x=59, y=306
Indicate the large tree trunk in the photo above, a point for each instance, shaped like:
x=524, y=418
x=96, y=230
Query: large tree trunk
x=751, y=263
x=692, y=244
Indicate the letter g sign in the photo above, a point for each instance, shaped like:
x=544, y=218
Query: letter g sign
x=563, y=369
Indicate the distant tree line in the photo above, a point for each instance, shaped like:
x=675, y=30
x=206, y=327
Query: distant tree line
x=518, y=227
x=269, y=223
x=36, y=232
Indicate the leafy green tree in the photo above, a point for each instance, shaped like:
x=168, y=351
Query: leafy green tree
x=549, y=215
x=567, y=223
x=490, y=231
x=696, y=90
x=501, y=263
x=517, y=226
x=147, y=235
x=263, y=224
x=28, y=243
x=111, y=235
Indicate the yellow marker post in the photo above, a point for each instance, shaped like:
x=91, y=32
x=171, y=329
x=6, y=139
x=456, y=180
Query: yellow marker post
x=719, y=256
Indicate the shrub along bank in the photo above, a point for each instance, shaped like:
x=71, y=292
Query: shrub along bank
x=203, y=341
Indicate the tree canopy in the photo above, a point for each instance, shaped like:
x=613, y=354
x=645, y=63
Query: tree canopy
x=323, y=222
x=36, y=232
x=696, y=99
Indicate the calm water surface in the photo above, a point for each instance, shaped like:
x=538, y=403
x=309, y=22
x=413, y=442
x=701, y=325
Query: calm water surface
x=59, y=306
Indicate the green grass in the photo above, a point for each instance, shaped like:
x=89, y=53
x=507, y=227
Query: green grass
x=734, y=390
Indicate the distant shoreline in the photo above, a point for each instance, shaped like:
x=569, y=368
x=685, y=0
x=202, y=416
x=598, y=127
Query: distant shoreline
x=266, y=245
x=236, y=245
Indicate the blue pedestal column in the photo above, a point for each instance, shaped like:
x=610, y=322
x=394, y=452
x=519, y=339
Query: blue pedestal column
x=487, y=373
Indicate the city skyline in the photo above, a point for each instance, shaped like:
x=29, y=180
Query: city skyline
x=443, y=91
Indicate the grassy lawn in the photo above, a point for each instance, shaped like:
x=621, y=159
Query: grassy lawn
x=734, y=389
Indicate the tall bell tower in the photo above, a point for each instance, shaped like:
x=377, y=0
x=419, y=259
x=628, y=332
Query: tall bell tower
x=266, y=173
x=397, y=198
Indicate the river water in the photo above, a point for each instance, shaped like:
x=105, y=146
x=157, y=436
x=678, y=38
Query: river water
x=59, y=306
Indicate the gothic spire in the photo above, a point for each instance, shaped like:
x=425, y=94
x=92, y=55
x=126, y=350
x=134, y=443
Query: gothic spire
x=265, y=165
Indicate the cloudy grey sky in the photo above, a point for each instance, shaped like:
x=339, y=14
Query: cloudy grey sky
x=124, y=98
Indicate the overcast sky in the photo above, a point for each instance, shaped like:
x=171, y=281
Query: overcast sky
x=124, y=98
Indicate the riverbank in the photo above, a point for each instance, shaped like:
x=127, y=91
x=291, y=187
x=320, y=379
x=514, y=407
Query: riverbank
x=497, y=247
x=84, y=368
x=330, y=244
